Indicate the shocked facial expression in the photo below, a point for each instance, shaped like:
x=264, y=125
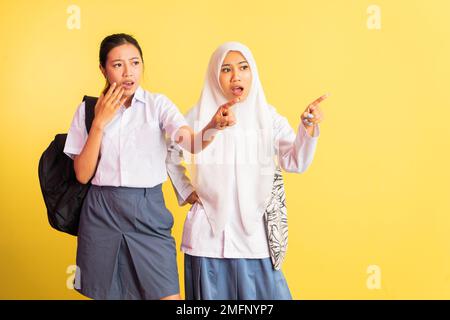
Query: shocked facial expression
x=124, y=67
x=235, y=76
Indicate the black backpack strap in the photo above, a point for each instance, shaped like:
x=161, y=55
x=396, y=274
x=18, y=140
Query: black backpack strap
x=89, y=111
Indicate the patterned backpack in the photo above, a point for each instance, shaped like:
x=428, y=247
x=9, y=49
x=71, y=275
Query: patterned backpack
x=276, y=221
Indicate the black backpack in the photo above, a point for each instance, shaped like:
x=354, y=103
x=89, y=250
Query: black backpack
x=63, y=194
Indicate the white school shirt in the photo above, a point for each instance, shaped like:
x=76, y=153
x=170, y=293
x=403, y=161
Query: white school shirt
x=133, y=148
x=295, y=154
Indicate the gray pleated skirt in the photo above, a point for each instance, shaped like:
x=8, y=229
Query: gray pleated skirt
x=233, y=279
x=125, y=247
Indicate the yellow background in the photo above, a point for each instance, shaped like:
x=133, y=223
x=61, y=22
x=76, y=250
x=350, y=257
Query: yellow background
x=377, y=192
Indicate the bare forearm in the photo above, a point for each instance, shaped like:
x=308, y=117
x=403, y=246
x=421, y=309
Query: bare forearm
x=86, y=162
x=106, y=107
x=195, y=142
x=206, y=135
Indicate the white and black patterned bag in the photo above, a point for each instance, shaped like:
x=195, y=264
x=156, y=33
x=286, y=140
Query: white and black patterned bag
x=276, y=221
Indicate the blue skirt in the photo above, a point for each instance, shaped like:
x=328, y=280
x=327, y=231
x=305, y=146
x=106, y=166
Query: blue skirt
x=125, y=247
x=233, y=279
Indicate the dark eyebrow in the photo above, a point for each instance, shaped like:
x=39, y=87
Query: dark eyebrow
x=227, y=64
x=129, y=59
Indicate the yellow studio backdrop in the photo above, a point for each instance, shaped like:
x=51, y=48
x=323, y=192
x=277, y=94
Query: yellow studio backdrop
x=368, y=220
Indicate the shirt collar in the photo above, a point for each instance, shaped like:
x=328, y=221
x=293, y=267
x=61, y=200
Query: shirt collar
x=139, y=95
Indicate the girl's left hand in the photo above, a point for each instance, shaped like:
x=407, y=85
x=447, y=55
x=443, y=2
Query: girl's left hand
x=313, y=115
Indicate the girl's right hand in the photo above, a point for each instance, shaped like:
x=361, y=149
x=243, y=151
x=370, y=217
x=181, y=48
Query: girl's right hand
x=224, y=117
x=107, y=105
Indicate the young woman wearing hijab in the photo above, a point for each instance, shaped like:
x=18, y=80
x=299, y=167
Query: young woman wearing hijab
x=224, y=237
x=125, y=247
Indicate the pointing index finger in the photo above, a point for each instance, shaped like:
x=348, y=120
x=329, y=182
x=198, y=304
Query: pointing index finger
x=230, y=103
x=319, y=100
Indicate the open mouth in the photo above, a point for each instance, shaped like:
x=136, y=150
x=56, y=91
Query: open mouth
x=237, y=90
x=128, y=84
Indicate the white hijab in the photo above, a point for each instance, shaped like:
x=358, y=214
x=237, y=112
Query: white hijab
x=239, y=163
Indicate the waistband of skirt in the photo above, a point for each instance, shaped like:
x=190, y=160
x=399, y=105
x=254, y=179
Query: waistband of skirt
x=129, y=190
